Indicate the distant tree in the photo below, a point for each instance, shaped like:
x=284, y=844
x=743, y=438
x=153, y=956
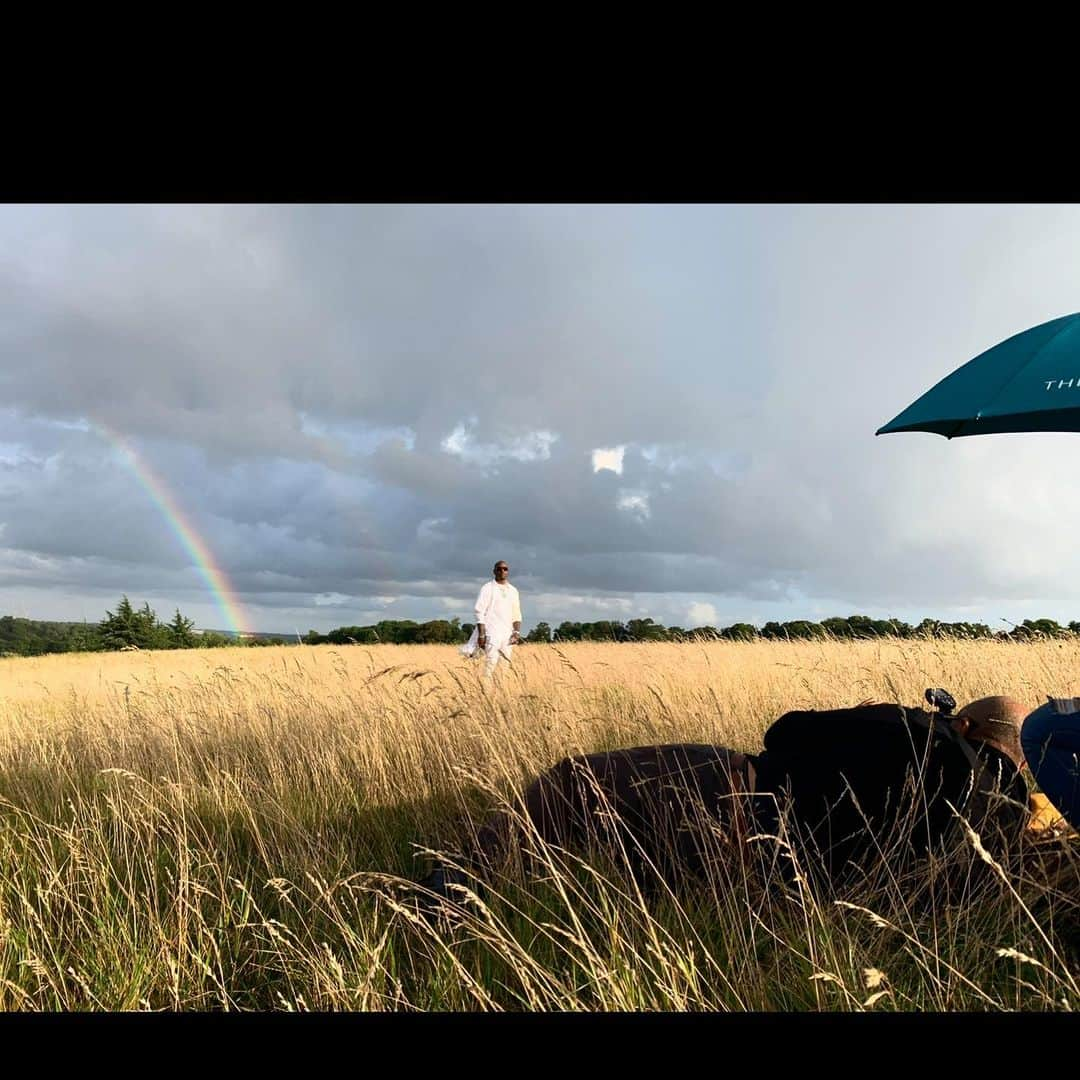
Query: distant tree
x=739, y=631
x=350, y=635
x=16, y=636
x=965, y=630
x=151, y=633
x=181, y=632
x=645, y=630
x=129, y=628
x=397, y=631
x=1039, y=628
x=84, y=638
x=121, y=629
x=436, y=632
x=539, y=634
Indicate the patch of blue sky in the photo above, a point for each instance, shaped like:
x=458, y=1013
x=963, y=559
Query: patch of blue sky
x=11, y=453
x=673, y=458
x=357, y=439
x=524, y=447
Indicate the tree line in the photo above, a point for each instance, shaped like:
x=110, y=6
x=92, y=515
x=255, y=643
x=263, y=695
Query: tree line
x=129, y=627
x=452, y=631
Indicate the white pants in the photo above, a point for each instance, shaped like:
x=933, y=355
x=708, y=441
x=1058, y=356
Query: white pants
x=494, y=653
x=497, y=647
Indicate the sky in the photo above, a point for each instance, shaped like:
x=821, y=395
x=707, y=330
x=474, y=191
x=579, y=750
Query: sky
x=297, y=417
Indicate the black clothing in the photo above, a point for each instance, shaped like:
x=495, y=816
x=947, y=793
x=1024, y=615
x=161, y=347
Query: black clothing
x=884, y=781
x=672, y=806
x=844, y=786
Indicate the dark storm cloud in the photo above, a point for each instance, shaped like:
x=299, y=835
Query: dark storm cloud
x=360, y=408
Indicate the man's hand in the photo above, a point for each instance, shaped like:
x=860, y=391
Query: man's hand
x=515, y=638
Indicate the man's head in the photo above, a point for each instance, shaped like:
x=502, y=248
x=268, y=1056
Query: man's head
x=994, y=720
x=501, y=571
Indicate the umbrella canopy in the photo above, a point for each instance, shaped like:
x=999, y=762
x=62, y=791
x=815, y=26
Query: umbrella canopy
x=1030, y=382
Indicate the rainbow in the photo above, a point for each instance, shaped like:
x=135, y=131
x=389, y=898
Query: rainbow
x=224, y=594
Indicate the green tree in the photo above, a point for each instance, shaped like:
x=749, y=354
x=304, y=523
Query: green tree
x=645, y=630
x=122, y=629
x=150, y=633
x=436, y=632
x=1036, y=628
x=84, y=638
x=181, y=632
x=539, y=634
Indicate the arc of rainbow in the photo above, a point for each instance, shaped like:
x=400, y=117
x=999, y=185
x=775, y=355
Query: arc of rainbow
x=224, y=594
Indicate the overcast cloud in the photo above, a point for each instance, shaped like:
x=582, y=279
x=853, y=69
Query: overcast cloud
x=662, y=410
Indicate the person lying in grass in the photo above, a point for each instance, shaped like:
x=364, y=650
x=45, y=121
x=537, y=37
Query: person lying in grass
x=1051, y=742
x=841, y=786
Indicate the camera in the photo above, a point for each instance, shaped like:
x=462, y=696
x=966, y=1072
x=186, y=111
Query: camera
x=941, y=700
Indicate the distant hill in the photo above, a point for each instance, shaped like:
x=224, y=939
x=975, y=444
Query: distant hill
x=262, y=636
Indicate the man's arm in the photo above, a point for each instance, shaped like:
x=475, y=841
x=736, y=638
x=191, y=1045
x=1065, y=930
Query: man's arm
x=483, y=602
x=517, y=619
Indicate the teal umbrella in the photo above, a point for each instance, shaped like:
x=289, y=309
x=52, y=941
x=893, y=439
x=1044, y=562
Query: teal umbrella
x=1030, y=382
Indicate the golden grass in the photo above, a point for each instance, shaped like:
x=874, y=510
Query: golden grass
x=226, y=829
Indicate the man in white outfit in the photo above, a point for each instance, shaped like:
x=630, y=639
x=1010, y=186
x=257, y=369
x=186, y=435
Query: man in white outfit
x=498, y=619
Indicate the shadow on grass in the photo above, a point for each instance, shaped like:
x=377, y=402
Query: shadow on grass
x=121, y=894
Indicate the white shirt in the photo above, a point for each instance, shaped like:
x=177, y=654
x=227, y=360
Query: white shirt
x=498, y=607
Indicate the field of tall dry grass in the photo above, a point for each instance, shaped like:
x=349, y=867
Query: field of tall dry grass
x=232, y=829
